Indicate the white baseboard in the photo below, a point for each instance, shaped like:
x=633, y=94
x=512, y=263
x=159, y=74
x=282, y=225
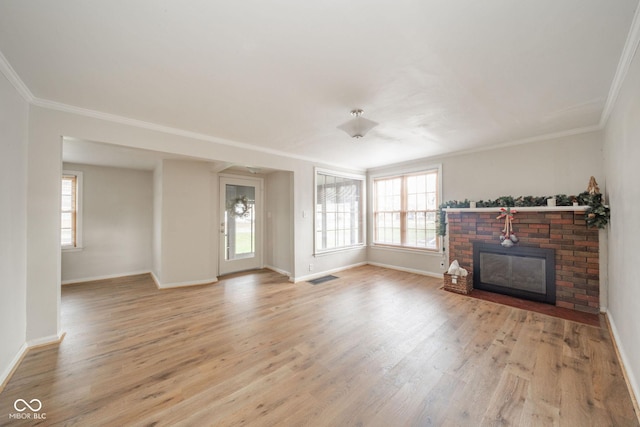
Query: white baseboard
x=5, y=376
x=324, y=273
x=408, y=270
x=625, y=363
x=13, y=365
x=172, y=285
x=110, y=276
x=278, y=270
x=52, y=339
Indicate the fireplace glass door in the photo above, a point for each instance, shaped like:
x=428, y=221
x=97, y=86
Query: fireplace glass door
x=519, y=271
x=516, y=272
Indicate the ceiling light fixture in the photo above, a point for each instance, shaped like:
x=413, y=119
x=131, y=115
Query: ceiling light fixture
x=358, y=126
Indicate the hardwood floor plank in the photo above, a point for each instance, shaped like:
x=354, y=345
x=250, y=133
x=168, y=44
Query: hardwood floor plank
x=374, y=347
x=506, y=405
x=605, y=375
x=438, y=404
x=542, y=406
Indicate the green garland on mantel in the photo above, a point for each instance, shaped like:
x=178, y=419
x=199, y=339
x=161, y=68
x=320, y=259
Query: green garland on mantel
x=596, y=216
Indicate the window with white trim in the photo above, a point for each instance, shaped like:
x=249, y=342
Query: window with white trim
x=405, y=209
x=71, y=212
x=339, y=216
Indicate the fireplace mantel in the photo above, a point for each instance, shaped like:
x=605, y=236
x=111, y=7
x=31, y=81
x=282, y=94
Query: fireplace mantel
x=522, y=209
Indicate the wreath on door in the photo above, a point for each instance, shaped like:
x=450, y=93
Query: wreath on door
x=238, y=207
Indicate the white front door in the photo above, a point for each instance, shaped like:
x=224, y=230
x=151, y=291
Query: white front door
x=240, y=224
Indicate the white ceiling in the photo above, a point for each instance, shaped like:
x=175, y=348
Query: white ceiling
x=439, y=76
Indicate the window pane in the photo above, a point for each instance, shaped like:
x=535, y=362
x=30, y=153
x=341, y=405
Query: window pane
x=431, y=239
x=66, y=237
x=432, y=201
x=240, y=231
x=412, y=186
x=397, y=203
x=331, y=221
x=67, y=220
x=420, y=204
x=388, y=203
x=422, y=179
x=67, y=203
x=432, y=182
x=68, y=187
x=338, y=211
x=380, y=195
x=412, y=202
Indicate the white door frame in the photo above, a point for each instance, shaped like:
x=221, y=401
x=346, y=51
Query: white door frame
x=255, y=262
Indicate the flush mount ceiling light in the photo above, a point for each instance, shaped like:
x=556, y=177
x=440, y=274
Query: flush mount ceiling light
x=358, y=126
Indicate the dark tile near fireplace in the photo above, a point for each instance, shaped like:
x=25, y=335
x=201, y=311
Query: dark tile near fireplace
x=550, y=310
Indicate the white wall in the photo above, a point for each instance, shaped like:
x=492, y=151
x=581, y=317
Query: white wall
x=186, y=249
x=43, y=230
x=557, y=166
x=279, y=233
x=622, y=156
x=117, y=211
x=13, y=225
x=156, y=265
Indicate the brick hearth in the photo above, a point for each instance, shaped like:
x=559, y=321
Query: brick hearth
x=576, y=247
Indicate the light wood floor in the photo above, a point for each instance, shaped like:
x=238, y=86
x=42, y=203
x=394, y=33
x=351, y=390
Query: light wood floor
x=374, y=348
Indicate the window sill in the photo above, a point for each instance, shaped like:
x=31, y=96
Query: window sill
x=338, y=250
x=404, y=249
x=75, y=249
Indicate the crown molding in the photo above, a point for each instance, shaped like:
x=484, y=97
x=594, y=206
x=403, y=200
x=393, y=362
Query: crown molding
x=538, y=138
x=15, y=80
x=628, y=53
x=545, y=137
x=113, y=118
x=51, y=105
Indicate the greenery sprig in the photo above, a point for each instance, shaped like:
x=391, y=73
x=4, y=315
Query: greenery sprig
x=597, y=215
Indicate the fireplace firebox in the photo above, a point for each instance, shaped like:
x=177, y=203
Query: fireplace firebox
x=519, y=271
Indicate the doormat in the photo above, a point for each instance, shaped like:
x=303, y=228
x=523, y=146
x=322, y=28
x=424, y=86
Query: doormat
x=322, y=279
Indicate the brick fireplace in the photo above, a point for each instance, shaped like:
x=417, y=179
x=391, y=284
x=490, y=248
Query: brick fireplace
x=563, y=229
